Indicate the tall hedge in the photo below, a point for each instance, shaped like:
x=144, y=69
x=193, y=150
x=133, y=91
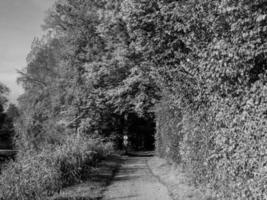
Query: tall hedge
x=209, y=59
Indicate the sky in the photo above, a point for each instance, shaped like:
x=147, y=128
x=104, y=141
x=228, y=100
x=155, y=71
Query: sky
x=20, y=22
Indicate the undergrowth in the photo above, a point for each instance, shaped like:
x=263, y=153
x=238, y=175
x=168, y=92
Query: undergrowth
x=39, y=175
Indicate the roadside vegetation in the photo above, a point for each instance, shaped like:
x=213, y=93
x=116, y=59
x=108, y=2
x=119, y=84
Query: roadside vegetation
x=210, y=60
x=175, y=178
x=197, y=68
x=42, y=174
x=8, y=114
x=79, y=90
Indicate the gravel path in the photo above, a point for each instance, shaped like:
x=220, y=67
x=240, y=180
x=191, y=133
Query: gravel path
x=134, y=181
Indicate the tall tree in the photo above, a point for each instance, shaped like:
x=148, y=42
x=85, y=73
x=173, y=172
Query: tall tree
x=42, y=82
x=105, y=69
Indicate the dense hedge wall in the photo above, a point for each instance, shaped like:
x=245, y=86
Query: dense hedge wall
x=221, y=148
x=209, y=59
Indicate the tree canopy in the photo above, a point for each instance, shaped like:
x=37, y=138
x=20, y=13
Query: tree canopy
x=3, y=95
x=198, y=66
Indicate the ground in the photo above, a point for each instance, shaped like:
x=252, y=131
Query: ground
x=93, y=187
x=176, y=180
x=138, y=176
x=134, y=181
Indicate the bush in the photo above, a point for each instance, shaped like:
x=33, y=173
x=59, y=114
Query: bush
x=38, y=175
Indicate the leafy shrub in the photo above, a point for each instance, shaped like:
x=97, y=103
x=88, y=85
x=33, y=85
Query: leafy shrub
x=38, y=175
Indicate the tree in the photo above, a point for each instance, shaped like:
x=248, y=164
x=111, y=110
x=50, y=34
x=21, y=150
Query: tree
x=12, y=111
x=43, y=85
x=3, y=92
x=104, y=67
x=6, y=124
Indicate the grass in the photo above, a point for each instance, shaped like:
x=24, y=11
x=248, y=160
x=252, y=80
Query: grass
x=41, y=174
x=93, y=187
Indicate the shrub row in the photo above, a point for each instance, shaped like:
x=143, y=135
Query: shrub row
x=39, y=175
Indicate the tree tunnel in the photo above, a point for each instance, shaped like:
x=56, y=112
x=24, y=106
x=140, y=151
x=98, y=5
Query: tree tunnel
x=140, y=131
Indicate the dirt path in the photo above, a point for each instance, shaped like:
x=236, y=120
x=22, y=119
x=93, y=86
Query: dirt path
x=134, y=181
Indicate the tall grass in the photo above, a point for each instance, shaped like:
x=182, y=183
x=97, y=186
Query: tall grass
x=39, y=175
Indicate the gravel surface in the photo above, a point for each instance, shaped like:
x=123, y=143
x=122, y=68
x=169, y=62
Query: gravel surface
x=134, y=181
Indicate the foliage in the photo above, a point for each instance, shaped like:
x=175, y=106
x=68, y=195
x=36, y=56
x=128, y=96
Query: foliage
x=6, y=121
x=7, y=131
x=39, y=175
x=12, y=111
x=83, y=76
x=209, y=58
x=199, y=66
x=3, y=92
x=40, y=104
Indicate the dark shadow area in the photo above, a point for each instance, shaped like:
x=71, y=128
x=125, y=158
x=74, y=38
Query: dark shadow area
x=141, y=132
x=78, y=198
x=102, y=174
x=140, y=154
x=94, y=183
x=127, y=177
x=130, y=170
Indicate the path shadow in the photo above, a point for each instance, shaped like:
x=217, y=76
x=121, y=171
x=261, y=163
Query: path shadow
x=126, y=178
x=141, y=154
x=124, y=197
x=92, y=186
x=128, y=172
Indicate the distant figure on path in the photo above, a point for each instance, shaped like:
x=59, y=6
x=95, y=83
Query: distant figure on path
x=125, y=144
